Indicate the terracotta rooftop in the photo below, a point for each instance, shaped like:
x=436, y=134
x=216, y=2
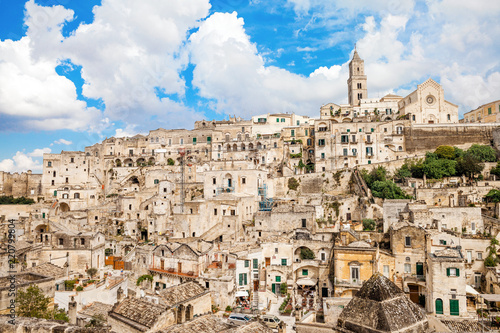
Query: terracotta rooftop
x=181, y=293
x=96, y=309
x=380, y=306
x=205, y=324
x=464, y=326
x=48, y=269
x=138, y=311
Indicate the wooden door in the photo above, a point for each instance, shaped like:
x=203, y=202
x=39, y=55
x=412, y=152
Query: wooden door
x=413, y=293
x=268, y=261
x=162, y=264
x=454, y=307
x=439, y=306
x=179, y=267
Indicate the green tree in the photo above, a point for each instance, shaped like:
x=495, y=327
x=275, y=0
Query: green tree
x=144, y=277
x=447, y=152
x=306, y=253
x=32, y=302
x=483, y=153
x=403, y=172
x=492, y=253
x=438, y=168
x=301, y=164
x=170, y=161
x=96, y=321
x=283, y=288
x=493, y=196
x=376, y=174
x=496, y=170
x=293, y=184
x=387, y=190
x=469, y=165
x=91, y=272
x=369, y=224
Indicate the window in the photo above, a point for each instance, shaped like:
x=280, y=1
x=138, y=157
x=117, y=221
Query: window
x=309, y=141
x=413, y=117
x=282, y=120
x=304, y=223
x=209, y=139
x=306, y=132
x=283, y=262
x=448, y=117
x=344, y=138
x=480, y=256
x=61, y=241
x=354, y=273
x=293, y=132
x=77, y=195
x=214, y=181
x=354, y=152
x=49, y=163
x=489, y=111
x=247, y=263
x=344, y=153
x=322, y=156
x=305, y=272
x=408, y=241
x=442, y=242
x=255, y=264
x=72, y=160
x=469, y=256
x=277, y=120
x=408, y=268
x=194, y=141
x=386, y=271
x=67, y=180
x=451, y=271
x=369, y=151
x=215, y=211
x=321, y=142
x=323, y=256
x=156, y=181
x=243, y=279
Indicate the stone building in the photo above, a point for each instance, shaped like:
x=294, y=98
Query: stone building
x=188, y=299
x=133, y=315
x=486, y=113
x=446, y=291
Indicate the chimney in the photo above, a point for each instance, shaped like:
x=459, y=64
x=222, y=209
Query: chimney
x=119, y=295
x=72, y=311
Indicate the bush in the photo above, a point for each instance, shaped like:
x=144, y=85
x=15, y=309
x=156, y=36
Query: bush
x=79, y=288
x=170, y=161
x=144, y=277
x=283, y=288
x=91, y=272
x=369, y=224
x=483, y=153
x=293, y=184
x=69, y=284
x=229, y=308
x=388, y=190
x=10, y=200
x=447, y=152
x=306, y=253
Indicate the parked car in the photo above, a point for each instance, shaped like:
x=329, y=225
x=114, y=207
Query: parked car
x=271, y=321
x=238, y=319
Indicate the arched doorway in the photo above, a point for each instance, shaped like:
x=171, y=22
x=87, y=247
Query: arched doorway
x=439, y=306
x=64, y=207
x=189, y=312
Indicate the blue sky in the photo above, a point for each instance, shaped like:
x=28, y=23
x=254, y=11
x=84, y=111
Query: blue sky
x=74, y=72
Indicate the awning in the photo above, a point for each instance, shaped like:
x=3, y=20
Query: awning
x=307, y=282
x=242, y=293
x=491, y=297
x=470, y=290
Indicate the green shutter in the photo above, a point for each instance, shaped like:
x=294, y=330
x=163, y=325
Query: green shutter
x=373, y=130
x=458, y=271
x=43, y=215
x=305, y=272
x=245, y=279
x=348, y=130
x=454, y=307
x=255, y=264
x=439, y=306
x=306, y=132
x=241, y=279
x=277, y=120
x=209, y=139
x=194, y=140
x=283, y=262
x=55, y=193
x=247, y=263
x=448, y=272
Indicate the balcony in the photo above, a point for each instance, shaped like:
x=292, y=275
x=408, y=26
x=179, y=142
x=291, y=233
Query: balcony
x=413, y=278
x=353, y=283
x=173, y=272
x=225, y=189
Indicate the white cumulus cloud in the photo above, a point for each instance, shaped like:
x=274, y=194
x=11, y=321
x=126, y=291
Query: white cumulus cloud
x=22, y=162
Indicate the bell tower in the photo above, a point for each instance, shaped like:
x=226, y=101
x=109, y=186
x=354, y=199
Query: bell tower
x=356, y=84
